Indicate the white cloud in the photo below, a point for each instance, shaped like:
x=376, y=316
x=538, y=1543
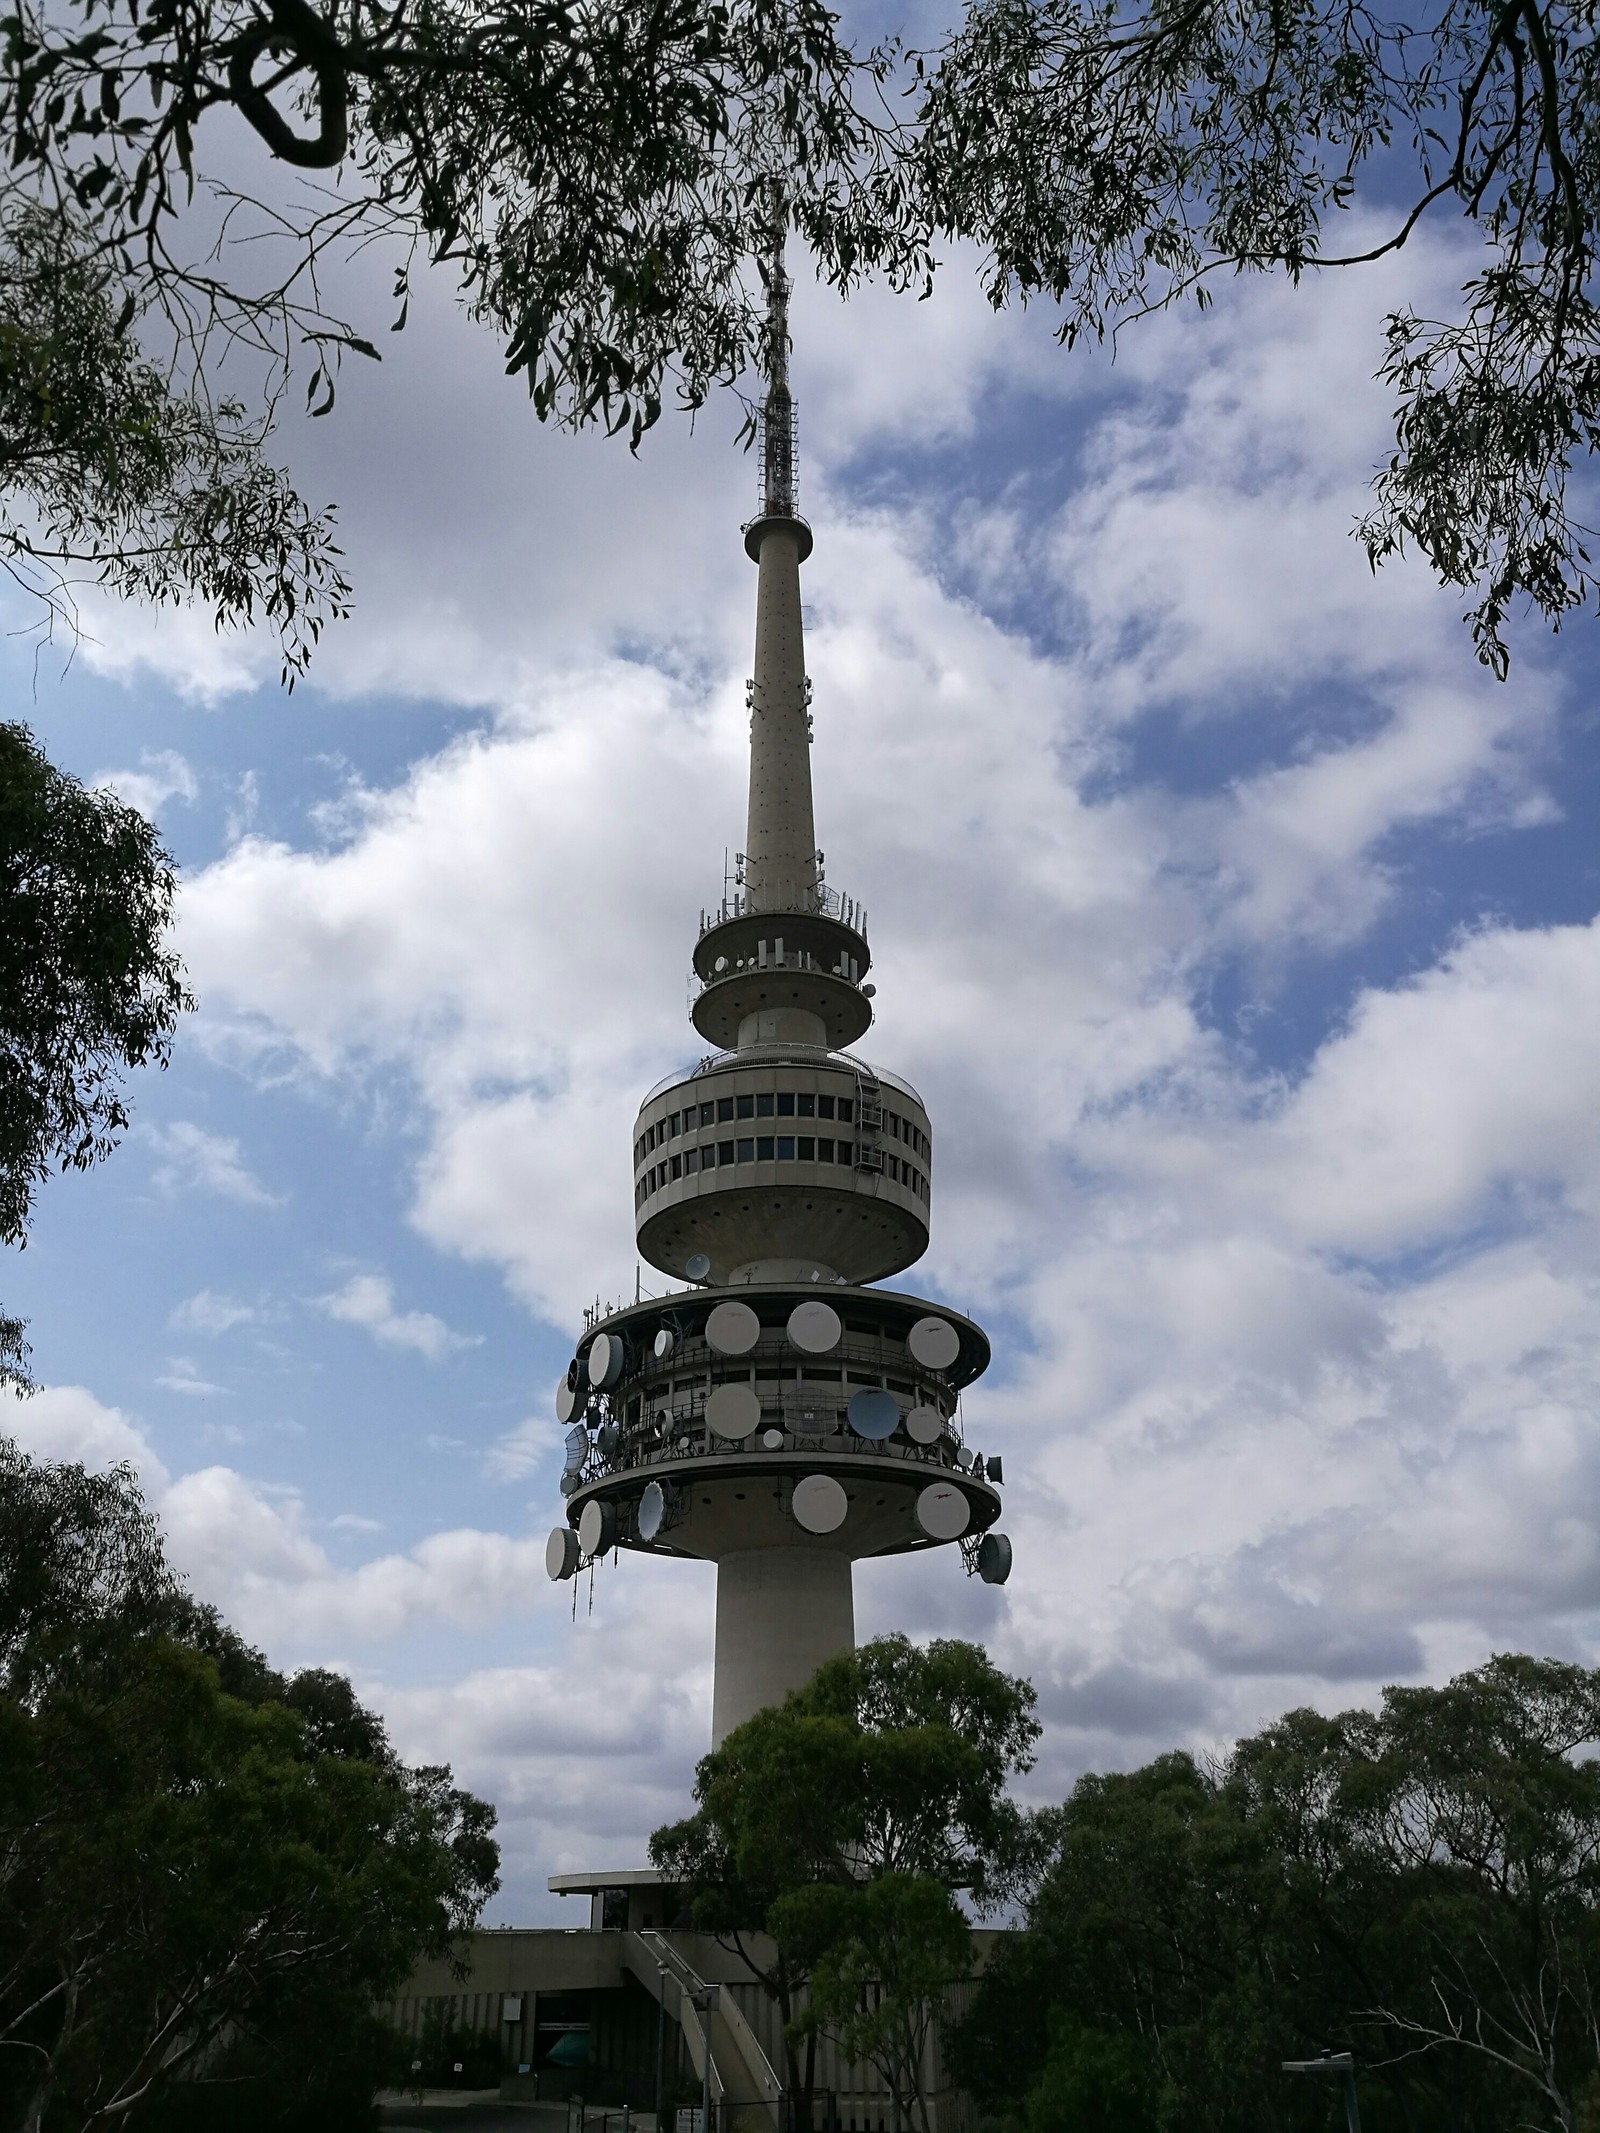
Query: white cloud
x=209, y=1312
x=68, y=1422
x=183, y=1375
x=162, y=775
x=195, y=1160
x=520, y=1450
x=367, y=1300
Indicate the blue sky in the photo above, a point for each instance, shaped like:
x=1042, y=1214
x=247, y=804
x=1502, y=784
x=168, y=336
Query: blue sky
x=1239, y=931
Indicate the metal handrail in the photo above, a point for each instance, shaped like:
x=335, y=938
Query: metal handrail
x=781, y=1055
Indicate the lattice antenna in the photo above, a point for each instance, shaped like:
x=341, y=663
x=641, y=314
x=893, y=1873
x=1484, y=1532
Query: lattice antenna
x=778, y=469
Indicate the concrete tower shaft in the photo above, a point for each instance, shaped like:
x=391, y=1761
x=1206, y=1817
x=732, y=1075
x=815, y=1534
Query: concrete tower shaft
x=780, y=845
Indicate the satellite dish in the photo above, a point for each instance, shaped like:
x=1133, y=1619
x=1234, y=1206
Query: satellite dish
x=607, y=1357
x=874, y=1414
x=561, y=1553
x=597, y=1528
x=571, y=1483
x=665, y=1341
x=963, y=1457
x=577, y=1448
x=733, y=1329
x=663, y=1419
x=934, y=1342
x=994, y=1559
x=772, y=1440
x=652, y=1510
x=869, y=992
x=608, y=1441
x=819, y=1504
x=924, y=1425
x=697, y=1266
x=942, y=1511
x=572, y=1394
x=996, y=1471
x=815, y=1327
x=733, y=1411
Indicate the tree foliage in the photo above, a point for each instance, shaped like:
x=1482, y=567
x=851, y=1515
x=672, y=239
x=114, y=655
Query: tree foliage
x=108, y=473
x=832, y=1833
x=1420, y=1886
x=1116, y=155
x=207, y=1874
x=597, y=176
x=89, y=986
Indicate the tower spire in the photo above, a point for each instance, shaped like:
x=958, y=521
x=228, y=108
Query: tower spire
x=780, y=847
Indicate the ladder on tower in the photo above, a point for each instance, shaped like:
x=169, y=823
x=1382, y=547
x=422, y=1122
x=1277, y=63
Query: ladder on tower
x=869, y=1120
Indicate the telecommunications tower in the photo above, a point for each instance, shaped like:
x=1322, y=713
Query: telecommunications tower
x=778, y=1416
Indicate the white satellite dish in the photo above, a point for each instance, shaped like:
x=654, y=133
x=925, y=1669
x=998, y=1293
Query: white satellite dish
x=733, y=1329
x=733, y=1411
x=561, y=1552
x=577, y=1448
x=566, y=1402
x=608, y=1441
x=934, y=1342
x=772, y=1440
x=815, y=1327
x=607, y=1357
x=819, y=1504
x=994, y=1559
x=942, y=1511
x=874, y=1413
x=697, y=1266
x=924, y=1425
x=652, y=1510
x=665, y=1341
x=597, y=1528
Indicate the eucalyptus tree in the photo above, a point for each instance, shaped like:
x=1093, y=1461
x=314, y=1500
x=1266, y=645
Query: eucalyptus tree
x=1117, y=156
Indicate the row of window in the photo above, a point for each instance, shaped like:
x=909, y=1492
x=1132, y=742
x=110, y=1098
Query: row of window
x=782, y=1103
x=767, y=1148
x=779, y=1103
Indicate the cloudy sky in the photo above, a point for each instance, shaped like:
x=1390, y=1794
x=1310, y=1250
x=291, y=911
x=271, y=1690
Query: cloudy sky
x=1239, y=932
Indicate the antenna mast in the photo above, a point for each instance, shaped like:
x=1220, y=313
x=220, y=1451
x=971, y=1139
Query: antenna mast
x=778, y=470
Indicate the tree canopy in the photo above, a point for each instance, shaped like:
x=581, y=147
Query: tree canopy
x=1114, y=156
x=1419, y=1885
x=208, y=1874
x=832, y=1834
x=89, y=985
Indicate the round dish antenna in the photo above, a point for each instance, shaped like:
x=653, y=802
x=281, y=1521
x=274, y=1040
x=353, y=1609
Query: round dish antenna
x=665, y=1341
x=608, y=1441
x=874, y=1413
x=924, y=1425
x=819, y=1504
x=607, y=1359
x=597, y=1529
x=561, y=1553
x=815, y=1327
x=942, y=1511
x=733, y=1411
x=652, y=1510
x=572, y=1395
x=698, y=1266
x=772, y=1440
x=934, y=1342
x=994, y=1559
x=733, y=1329
x=577, y=1448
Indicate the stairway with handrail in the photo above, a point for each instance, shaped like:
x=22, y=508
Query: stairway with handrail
x=746, y=2093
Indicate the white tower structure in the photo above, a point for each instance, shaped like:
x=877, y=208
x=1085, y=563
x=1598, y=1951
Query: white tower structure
x=780, y=1416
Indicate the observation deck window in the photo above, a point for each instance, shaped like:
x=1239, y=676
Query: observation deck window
x=806, y=1148
x=764, y=1104
x=824, y=1107
x=824, y=1151
x=808, y=1106
x=691, y=1161
x=724, y=1108
x=785, y=1148
x=785, y=1104
x=747, y=1151
x=677, y=1166
x=674, y=1124
x=845, y=1110
x=708, y=1114
x=746, y=1106
x=764, y=1148
x=724, y=1151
